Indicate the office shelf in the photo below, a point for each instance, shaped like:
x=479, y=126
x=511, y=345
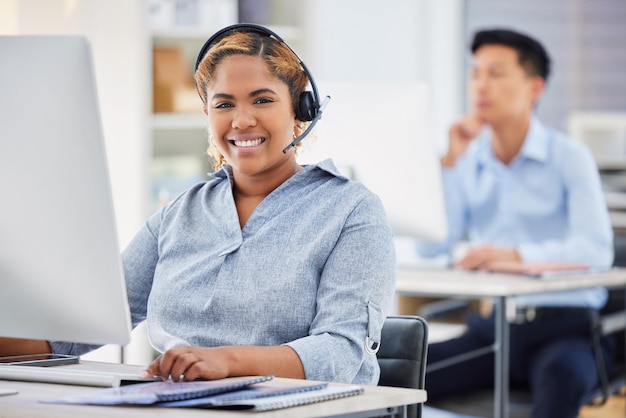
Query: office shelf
x=605, y=135
x=179, y=121
x=287, y=32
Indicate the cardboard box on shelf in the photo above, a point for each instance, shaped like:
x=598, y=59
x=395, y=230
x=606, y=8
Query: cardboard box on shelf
x=173, y=87
x=169, y=66
x=176, y=99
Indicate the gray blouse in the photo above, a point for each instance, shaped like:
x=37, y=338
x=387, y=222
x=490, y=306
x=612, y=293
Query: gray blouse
x=313, y=268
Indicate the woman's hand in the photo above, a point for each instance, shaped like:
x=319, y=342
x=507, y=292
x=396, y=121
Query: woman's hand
x=190, y=363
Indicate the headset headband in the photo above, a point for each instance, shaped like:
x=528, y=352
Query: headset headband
x=238, y=27
x=261, y=30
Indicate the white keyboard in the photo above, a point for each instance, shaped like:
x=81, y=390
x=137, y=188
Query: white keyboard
x=69, y=376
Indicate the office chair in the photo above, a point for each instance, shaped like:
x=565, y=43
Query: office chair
x=402, y=355
x=612, y=321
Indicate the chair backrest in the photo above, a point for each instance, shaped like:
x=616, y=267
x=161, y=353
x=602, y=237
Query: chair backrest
x=402, y=354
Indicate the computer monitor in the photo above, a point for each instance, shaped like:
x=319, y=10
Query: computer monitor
x=60, y=271
x=380, y=134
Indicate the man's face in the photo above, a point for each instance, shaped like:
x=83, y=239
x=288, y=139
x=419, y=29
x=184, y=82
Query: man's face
x=499, y=87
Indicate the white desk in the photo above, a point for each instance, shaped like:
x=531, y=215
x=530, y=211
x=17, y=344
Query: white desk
x=376, y=401
x=466, y=284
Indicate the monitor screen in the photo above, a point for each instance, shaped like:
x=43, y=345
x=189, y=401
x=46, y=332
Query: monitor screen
x=60, y=269
x=380, y=135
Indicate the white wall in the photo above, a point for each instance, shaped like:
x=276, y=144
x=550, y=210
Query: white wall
x=444, y=54
x=393, y=41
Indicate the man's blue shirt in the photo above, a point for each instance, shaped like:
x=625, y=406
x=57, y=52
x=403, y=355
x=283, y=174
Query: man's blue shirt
x=547, y=203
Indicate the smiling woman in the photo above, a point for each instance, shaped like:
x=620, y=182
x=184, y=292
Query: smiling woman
x=231, y=277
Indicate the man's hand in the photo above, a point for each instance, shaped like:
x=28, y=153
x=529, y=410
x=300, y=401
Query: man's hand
x=461, y=134
x=479, y=258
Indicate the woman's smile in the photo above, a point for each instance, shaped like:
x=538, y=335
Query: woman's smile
x=247, y=141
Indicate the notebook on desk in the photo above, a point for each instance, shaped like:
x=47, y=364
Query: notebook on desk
x=252, y=393
x=152, y=393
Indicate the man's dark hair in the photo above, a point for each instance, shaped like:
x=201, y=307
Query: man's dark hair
x=532, y=55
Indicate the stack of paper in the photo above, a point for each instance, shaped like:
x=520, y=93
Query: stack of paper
x=253, y=393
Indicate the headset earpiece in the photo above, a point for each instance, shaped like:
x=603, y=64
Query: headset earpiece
x=307, y=107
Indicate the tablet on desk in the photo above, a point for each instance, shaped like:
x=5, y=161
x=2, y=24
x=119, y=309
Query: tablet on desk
x=38, y=360
x=544, y=269
x=7, y=392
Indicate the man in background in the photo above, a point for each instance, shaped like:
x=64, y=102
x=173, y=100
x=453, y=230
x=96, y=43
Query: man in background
x=521, y=191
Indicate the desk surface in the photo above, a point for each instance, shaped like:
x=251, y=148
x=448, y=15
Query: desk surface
x=470, y=284
x=27, y=403
x=449, y=282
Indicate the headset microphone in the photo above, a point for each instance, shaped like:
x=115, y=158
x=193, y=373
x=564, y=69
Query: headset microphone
x=308, y=108
x=309, y=128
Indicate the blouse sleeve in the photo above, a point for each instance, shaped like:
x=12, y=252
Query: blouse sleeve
x=140, y=258
x=139, y=261
x=354, y=293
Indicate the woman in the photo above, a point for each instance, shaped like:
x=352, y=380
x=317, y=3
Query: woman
x=269, y=267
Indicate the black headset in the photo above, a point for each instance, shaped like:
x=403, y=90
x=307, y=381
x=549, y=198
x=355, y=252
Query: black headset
x=308, y=108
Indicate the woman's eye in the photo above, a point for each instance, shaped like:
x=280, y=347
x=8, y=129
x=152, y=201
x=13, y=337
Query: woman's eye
x=263, y=100
x=223, y=105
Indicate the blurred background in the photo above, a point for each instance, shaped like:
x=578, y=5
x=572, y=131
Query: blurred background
x=155, y=132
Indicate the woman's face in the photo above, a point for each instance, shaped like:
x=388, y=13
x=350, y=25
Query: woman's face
x=250, y=115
